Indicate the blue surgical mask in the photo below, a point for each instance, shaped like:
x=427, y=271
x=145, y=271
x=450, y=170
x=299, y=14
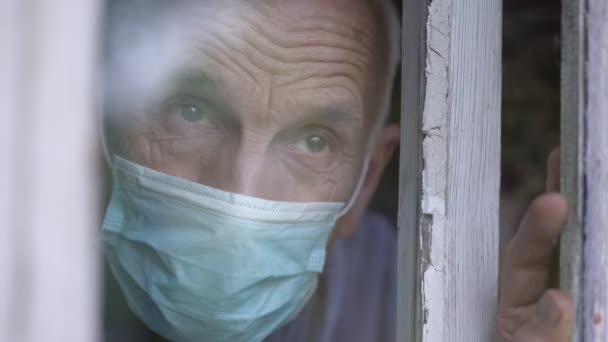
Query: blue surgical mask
x=200, y=264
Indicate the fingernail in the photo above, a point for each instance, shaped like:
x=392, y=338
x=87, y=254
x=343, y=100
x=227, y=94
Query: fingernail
x=549, y=312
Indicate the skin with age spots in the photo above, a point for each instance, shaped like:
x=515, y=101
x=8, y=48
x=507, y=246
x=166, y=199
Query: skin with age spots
x=265, y=94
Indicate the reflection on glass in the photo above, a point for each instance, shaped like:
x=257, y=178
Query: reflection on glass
x=244, y=137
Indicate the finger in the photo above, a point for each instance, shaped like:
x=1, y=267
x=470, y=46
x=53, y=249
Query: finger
x=529, y=255
x=553, y=170
x=551, y=321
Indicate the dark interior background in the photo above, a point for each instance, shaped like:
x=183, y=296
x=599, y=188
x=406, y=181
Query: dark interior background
x=531, y=102
x=530, y=109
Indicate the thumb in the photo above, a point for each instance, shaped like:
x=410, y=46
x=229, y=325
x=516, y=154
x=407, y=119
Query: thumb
x=551, y=321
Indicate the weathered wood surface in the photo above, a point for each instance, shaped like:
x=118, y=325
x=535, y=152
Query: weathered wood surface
x=584, y=245
x=410, y=180
x=595, y=254
x=457, y=227
x=48, y=219
x=572, y=136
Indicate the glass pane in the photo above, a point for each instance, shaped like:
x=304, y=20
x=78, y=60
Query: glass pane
x=245, y=141
x=245, y=97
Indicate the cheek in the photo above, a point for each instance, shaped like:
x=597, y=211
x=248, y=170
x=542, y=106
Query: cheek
x=336, y=185
x=136, y=148
x=188, y=158
x=347, y=177
x=262, y=171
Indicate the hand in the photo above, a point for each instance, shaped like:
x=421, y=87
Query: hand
x=528, y=311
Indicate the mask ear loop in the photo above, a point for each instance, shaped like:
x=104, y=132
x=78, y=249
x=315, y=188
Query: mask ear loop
x=358, y=188
x=102, y=128
x=370, y=148
x=104, y=144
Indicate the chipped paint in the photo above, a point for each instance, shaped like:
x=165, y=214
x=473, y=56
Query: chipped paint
x=434, y=175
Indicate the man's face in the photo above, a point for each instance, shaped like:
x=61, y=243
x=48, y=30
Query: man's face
x=272, y=99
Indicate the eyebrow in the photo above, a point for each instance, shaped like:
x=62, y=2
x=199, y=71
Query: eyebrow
x=197, y=79
x=333, y=113
x=342, y=118
x=209, y=87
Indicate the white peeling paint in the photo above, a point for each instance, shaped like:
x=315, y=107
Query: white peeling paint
x=459, y=132
x=434, y=175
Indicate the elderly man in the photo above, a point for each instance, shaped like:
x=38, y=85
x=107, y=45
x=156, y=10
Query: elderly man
x=245, y=140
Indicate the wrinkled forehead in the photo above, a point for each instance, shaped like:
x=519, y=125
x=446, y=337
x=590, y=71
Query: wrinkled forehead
x=344, y=28
x=324, y=50
x=244, y=95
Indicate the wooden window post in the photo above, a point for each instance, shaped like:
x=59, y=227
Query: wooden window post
x=48, y=213
x=584, y=246
x=450, y=170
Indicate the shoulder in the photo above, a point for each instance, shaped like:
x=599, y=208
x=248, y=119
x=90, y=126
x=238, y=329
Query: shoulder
x=361, y=282
x=376, y=237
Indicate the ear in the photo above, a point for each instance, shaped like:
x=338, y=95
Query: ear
x=382, y=154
